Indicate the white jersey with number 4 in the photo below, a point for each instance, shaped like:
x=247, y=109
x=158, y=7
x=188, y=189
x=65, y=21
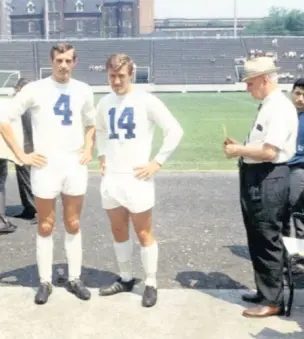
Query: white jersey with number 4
x=60, y=113
x=125, y=127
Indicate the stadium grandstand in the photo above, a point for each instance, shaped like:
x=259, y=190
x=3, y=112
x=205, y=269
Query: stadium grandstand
x=161, y=61
x=166, y=51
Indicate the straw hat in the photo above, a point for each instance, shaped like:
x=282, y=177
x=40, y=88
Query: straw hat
x=259, y=66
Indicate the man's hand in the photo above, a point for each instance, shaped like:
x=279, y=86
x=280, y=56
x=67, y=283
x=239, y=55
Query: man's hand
x=86, y=155
x=33, y=159
x=229, y=141
x=146, y=172
x=231, y=150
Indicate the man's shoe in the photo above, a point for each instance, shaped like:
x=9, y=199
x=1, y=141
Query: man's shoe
x=252, y=298
x=118, y=286
x=263, y=312
x=43, y=293
x=25, y=215
x=149, y=298
x=7, y=228
x=77, y=287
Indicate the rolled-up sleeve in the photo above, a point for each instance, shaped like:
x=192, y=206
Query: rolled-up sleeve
x=278, y=130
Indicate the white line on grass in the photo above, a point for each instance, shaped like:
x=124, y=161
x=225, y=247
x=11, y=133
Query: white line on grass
x=184, y=171
x=239, y=100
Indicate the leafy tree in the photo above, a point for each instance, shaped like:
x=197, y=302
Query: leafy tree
x=280, y=21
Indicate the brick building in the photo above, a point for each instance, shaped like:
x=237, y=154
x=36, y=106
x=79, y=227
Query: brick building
x=5, y=22
x=54, y=19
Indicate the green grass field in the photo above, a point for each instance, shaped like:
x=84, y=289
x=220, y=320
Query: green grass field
x=201, y=116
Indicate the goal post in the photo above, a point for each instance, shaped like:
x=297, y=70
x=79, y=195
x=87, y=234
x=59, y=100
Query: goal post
x=45, y=72
x=9, y=78
x=142, y=75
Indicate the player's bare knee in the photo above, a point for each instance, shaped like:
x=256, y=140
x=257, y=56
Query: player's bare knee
x=145, y=237
x=120, y=232
x=72, y=226
x=45, y=228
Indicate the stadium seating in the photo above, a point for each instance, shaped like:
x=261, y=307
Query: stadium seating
x=16, y=56
x=166, y=60
x=195, y=61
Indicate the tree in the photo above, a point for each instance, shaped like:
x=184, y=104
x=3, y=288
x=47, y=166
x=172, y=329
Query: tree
x=295, y=22
x=280, y=21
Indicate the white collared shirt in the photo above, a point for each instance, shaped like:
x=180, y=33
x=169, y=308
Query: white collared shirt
x=276, y=125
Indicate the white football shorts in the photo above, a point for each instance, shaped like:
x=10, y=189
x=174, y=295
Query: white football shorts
x=125, y=190
x=63, y=174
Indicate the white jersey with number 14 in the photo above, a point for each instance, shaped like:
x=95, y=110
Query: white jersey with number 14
x=125, y=127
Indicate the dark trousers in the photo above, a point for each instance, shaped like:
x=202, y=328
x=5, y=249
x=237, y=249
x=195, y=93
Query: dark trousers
x=3, y=177
x=296, y=198
x=23, y=174
x=264, y=198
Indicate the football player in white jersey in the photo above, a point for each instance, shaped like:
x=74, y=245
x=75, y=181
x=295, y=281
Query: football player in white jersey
x=124, y=132
x=63, y=121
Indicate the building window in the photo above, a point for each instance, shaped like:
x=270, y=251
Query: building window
x=31, y=26
x=52, y=6
x=79, y=26
x=127, y=24
x=79, y=6
x=30, y=7
x=126, y=9
x=53, y=26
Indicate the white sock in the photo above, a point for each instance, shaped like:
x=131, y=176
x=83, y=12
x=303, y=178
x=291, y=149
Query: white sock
x=73, y=248
x=124, y=251
x=149, y=259
x=44, y=255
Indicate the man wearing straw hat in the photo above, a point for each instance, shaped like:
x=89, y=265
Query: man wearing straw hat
x=264, y=183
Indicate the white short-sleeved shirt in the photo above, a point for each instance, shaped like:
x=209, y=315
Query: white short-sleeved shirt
x=277, y=125
x=125, y=127
x=59, y=112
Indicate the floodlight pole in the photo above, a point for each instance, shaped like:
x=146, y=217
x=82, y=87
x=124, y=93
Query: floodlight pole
x=46, y=19
x=235, y=18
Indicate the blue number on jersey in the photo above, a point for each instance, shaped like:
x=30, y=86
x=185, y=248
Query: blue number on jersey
x=62, y=107
x=125, y=121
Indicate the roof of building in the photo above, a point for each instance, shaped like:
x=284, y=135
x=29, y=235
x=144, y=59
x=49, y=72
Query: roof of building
x=89, y=6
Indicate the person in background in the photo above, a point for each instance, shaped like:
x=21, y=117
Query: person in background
x=23, y=173
x=5, y=225
x=296, y=163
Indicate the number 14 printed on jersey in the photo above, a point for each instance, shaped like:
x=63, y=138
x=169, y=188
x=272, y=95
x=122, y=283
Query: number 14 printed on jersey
x=125, y=121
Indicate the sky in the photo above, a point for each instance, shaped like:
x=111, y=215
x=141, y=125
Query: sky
x=219, y=8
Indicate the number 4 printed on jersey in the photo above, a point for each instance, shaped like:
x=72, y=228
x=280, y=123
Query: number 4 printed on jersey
x=62, y=107
x=125, y=121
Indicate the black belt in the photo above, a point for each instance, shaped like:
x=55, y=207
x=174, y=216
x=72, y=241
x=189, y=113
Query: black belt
x=262, y=164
